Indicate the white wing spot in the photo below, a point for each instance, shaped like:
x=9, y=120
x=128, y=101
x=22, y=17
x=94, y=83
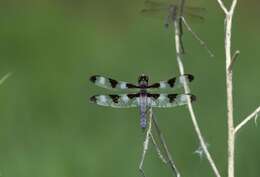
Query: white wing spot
x=102, y=98
x=182, y=79
x=102, y=80
x=138, y=100
x=123, y=85
x=125, y=98
x=183, y=99
x=162, y=97
x=163, y=85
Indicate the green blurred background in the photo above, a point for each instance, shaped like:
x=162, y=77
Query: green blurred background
x=48, y=128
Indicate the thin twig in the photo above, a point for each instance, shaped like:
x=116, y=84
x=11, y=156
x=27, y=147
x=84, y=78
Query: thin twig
x=145, y=145
x=222, y=6
x=202, y=43
x=187, y=90
x=190, y=108
x=170, y=162
x=157, y=148
x=233, y=60
x=247, y=119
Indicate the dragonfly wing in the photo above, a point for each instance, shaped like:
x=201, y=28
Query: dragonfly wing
x=161, y=13
x=108, y=83
x=117, y=101
x=150, y=4
x=176, y=82
x=195, y=14
x=169, y=100
x=201, y=11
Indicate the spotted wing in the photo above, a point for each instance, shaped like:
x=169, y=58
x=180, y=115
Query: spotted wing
x=108, y=83
x=117, y=101
x=169, y=100
x=176, y=82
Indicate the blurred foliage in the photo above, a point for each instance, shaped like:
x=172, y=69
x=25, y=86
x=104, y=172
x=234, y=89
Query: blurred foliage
x=49, y=128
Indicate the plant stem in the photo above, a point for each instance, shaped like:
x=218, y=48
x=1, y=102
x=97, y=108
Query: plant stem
x=191, y=111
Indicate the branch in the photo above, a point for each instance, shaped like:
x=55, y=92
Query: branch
x=223, y=6
x=202, y=43
x=152, y=121
x=157, y=148
x=145, y=145
x=247, y=119
x=165, y=148
x=192, y=114
x=187, y=90
x=233, y=60
x=229, y=86
x=233, y=6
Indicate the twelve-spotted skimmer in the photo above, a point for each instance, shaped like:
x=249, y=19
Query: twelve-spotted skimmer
x=143, y=99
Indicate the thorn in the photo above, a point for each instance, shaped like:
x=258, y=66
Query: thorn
x=233, y=60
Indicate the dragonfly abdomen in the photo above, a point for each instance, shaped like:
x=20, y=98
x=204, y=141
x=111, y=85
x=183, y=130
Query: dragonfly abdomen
x=143, y=108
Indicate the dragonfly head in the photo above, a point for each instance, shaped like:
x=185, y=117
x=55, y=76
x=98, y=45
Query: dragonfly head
x=143, y=80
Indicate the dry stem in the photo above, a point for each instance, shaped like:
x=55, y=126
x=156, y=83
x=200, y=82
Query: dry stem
x=229, y=85
x=190, y=107
x=168, y=155
x=152, y=121
x=247, y=119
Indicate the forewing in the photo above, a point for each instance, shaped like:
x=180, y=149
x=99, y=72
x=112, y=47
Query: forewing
x=176, y=82
x=108, y=83
x=149, y=4
x=195, y=14
x=116, y=101
x=169, y=100
x=160, y=13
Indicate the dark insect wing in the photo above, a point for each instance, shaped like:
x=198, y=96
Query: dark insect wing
x=157, y=4
x=195, y=14
x=175, y=82
x=116, y=101
x=161, y=9
x=169, y=100
x=108, y=83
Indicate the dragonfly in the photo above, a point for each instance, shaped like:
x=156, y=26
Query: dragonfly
x=169, y=10
x=142, y=99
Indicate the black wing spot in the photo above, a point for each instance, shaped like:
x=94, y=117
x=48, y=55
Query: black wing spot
x=172, y=97
x=154, y=95
x=190, y=77
x=131, y=96
x=171, y=82
x=193, y=97
x=155, y=85
x=115, y=98
x=128, y=85
x=93, y=78
x=93, y=99
x=113, y=82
